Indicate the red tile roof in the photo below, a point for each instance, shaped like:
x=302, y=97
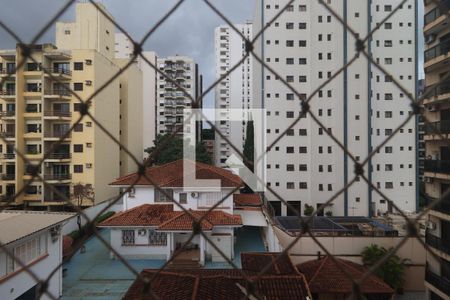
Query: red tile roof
x=171, y=175
x=247, y=200
x=227, y=284
x=164, y=217
x=257, y=261
x=324, y=276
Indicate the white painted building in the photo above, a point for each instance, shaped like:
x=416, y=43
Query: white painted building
x=124, y=46
x=361, y=107
x=170, y=100
x=35, y=239
x=235, y=91
x=151, y=226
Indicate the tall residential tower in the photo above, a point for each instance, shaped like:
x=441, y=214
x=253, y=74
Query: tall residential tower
x=361, y=107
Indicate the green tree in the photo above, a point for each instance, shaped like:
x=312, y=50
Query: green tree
x=308, y=211
x=249, y=146
x=392, y=271
x=167, y=149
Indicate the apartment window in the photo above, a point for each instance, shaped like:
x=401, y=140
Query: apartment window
x=78, y=127
x=388, y=43
x=320, y=187
x=302, y=25
x=78, y=168
x=303, y=167
x=290, y=8
x=389, y=185
x=289, y=114
x=388, y=167
x=302, y=78
x=183, y=198
x=388, y=114
x=388, y=96
x=78, y=66
x=302, y=7
x=303, y=185
x=67, y=32
x=289, y=61
x=387, y=25
x=289, y=149
x=330, y=187
x=388, y=8
x=290, y=168
x=302, y=61
x=127, y=237
x=290, y=25
x=302, y=43
x=388, y=60
x=290, y=78
x=290, y=185
x=290, y=132
x=388, y=149
x=78, y=86
x=302, y=132
x=302, y=150
x=78, y=148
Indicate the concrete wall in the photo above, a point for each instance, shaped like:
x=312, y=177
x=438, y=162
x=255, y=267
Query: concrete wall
x=15, y=284
x=350, y=248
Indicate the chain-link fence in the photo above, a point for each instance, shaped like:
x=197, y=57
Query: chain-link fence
x=26, y=50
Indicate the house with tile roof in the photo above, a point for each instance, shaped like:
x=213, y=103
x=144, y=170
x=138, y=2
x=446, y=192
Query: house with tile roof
x=162, y=208
x=333, y=278
x=281, y=281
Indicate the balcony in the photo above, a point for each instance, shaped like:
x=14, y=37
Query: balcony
x=438, y=93
x=57, y=177
x=443, y=206
x=436, y=17
x=8, y=94
x=58, y=93
x=7, y=134
x=9, y=155
x=58, y=72
x=437, y=166
x=57, y=113
x=57, y=134
x=8, y=72
x=438, y=56
x=8, y=176
x=440, y=282
x=437, y=243
x=59, y=156
x=437, y=129
x=7, y=114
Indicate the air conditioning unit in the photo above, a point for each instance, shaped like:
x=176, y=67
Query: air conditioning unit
x=142, y=232
x=431, y=225
x=428, y=180
x=194, y=195
x=88, y=82
x=430, y=38
x=88, y=62
x=88, y=166
x=431, y=108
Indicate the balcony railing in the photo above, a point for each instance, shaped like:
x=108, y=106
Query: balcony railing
x=58, y=92
x=9, y=155
x=59, y=156
x=56, y=70
x=437, y=12
x=437, y=243
x=443, y=206
x=438, y=89
x=441, y=49
x=57, y=113
x=57, y=176
x=437, y=166
x=56, y=134
x=10, y=176
x=7, y=113
x=8, y=92
x=7, y=134
x=439, y=282
x=438, y=127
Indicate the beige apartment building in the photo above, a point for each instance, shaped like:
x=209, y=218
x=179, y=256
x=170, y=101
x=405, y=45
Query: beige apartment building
x=37, y=110
x=437, y=162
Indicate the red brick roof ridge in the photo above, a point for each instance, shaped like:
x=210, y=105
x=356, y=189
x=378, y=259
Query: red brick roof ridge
x=192, y=215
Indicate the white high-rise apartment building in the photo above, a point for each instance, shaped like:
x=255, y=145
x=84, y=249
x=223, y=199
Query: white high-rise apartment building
x=235, y=91
x=170, y=100
x=361, y=107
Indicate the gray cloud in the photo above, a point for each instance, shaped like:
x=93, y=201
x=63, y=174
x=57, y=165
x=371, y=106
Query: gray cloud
x=189, y=31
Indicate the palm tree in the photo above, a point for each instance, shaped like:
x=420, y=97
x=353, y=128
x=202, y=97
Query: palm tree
x=391, y=271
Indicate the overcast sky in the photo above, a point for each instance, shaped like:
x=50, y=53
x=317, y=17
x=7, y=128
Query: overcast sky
x=189, y=31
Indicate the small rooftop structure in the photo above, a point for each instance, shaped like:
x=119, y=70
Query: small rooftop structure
x=336, y=226
x=15, y=225
x=224, y=284
x=326, y=276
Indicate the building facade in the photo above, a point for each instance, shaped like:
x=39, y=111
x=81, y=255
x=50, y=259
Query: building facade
x=38, y=109
x=437, y=167
x=171, y=101
x=38, y=245
x=235, y=91
x=361, y=107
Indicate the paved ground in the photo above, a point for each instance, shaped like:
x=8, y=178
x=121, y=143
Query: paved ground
x=94, y=276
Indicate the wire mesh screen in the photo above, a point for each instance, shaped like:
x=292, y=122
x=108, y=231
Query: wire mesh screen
x=26, y=50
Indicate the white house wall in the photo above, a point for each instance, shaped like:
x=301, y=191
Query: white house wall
x=21, y=282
